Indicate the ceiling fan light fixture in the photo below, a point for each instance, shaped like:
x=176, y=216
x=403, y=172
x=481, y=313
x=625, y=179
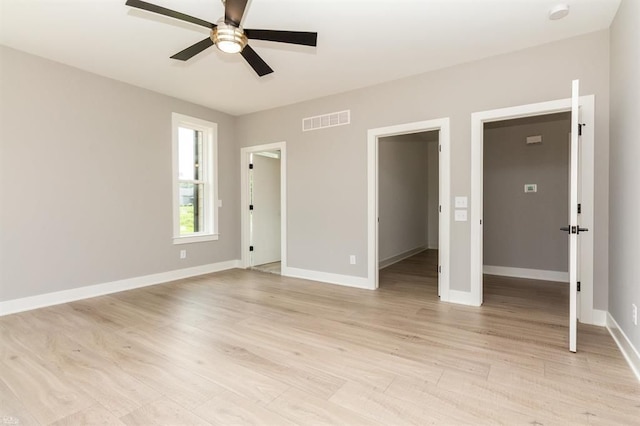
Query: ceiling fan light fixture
x=228, y=38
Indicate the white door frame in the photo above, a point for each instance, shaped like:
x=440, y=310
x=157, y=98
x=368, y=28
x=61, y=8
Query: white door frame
x=441, y=124
x=587, y=104
x=245, y=197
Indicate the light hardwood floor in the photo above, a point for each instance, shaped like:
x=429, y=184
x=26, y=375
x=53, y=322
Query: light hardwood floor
x=245, y=347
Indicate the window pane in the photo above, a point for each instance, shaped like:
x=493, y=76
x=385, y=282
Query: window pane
x=189, y=154
x=191, y=208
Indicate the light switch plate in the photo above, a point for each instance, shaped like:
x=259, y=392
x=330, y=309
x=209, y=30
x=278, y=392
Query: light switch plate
x=461, y=202
x=460, y=216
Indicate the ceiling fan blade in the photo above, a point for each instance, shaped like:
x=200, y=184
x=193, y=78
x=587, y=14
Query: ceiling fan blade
x=293, y=37
x=259, y=66
x=233, y=11
x=168, y=12
x=193, y=50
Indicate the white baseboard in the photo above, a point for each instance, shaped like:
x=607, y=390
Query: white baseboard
x=399, y=257
x=629, y=352
x=64, y=296
x=532, y=274
x=461, y=298
x=433, y=247
x=598, y=317
x=345, y=280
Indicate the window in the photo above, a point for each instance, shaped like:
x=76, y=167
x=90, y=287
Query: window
x=195, y=180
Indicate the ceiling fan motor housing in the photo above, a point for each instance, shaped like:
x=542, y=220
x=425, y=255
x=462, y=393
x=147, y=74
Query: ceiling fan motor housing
x=228, y=38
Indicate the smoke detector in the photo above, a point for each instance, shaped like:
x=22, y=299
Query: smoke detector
x=558, y=11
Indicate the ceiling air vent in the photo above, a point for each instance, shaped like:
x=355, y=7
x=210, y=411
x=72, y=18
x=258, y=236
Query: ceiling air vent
x=327, y=120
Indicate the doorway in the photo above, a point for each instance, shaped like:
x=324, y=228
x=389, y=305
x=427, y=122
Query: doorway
x=441, y=126
x=526, y=188
x=586, y=188
x=408, y=200
x=264, y=207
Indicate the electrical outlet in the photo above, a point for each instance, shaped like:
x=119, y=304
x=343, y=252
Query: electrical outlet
x=352, y=259
x=183, y=254
x=634, y=313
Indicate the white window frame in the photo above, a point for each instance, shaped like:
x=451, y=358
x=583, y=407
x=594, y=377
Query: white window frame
x=209, y=177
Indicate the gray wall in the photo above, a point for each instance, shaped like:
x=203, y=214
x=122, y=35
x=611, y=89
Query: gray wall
x=402, y=196
x=85, y=180
x=327, y=169
x=121, y=148
x=624, y=242
x=521, y=230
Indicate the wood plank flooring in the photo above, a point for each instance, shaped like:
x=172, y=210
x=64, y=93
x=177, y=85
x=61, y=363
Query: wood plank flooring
x=245, y=347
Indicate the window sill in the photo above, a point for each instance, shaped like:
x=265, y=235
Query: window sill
x=195, y=239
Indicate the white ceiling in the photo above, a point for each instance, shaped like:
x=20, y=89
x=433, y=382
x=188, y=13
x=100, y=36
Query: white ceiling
x=360, y=42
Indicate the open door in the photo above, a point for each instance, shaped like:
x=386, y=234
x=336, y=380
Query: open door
x=265, y=208
x=574, y=228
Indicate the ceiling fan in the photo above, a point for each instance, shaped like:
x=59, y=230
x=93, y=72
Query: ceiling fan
x=229, y=36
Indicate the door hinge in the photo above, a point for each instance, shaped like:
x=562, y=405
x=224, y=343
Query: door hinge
x=440, y=209
x=580, y=128
x=250, y=248
x=439, y=148
x=250, y=206
x=579, y=208
x=250, y=165
x=578, y=285
x=439, y=269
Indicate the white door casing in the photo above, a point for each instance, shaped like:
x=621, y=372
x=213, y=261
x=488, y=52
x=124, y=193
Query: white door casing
x=265, y=214
x=586, y=186
x=442, y=125
x=245, y=201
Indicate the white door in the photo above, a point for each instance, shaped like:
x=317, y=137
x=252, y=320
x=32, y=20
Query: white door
x=265, y=215
x=574, y=228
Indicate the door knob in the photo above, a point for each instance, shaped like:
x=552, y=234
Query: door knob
x=573, y=229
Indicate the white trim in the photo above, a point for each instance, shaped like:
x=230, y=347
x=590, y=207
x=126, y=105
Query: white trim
x=587, y=103
x=441, y=124
x=326, y=277
x=599, y=318
x=244, y=197
x=58, y=297
x=188, y=239
x=383, y=263
x=532, y=274
x=461, y=298
x=630, y=353
x=209, y=178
